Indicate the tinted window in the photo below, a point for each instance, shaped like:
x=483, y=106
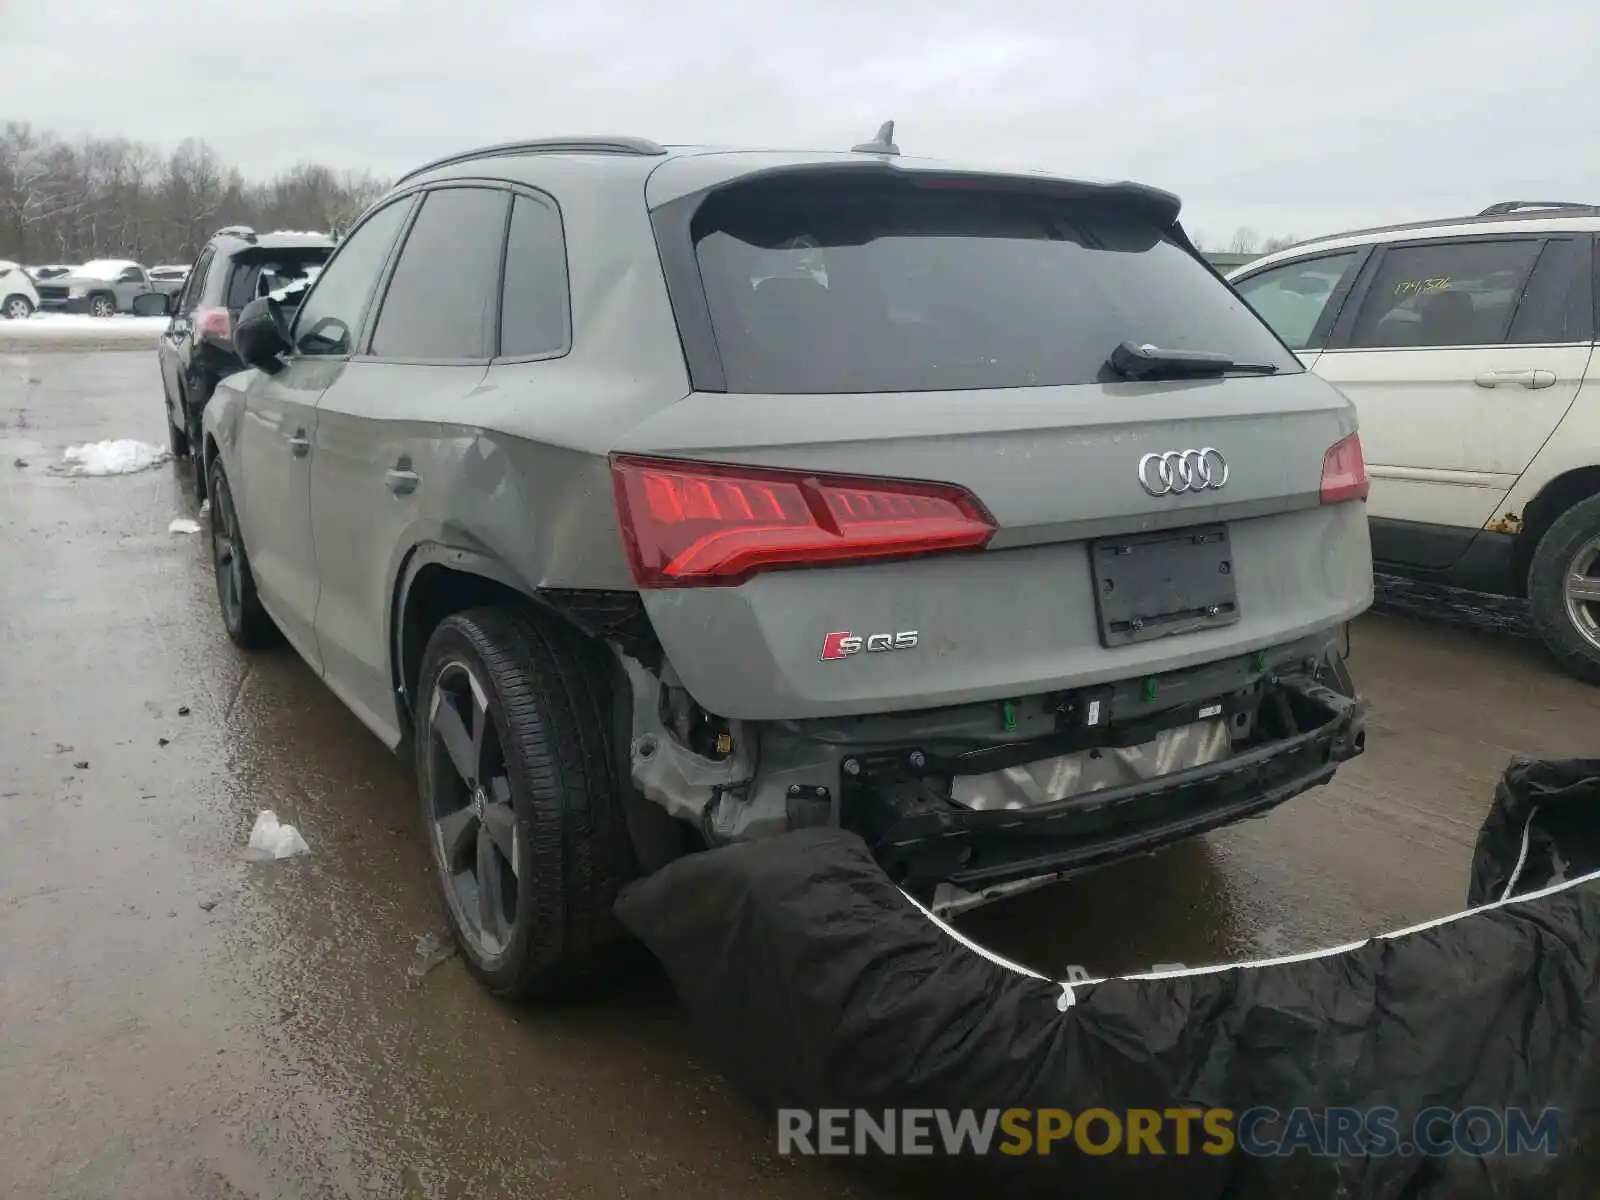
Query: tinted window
x=1293, y=298
x=131, y=275
x=1449, y=294
x=850, y=287
x=533, y=308
x=1558, y=305
x=194, y=286
x=331, y=315
x=442, y=297
x=258, y=272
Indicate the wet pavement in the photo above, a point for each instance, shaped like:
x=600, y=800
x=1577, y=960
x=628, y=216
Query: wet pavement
x=176, y=1021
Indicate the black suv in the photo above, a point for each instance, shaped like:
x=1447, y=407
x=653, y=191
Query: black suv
x=236, y=266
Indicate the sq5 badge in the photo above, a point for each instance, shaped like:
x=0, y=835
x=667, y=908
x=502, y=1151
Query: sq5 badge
x=844, y=643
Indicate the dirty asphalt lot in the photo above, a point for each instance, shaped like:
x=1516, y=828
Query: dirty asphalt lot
x=177, y=1022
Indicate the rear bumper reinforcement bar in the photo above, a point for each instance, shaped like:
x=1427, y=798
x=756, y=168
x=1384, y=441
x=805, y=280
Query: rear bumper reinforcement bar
x=978, y=849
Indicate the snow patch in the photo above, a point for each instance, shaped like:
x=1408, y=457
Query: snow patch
x=268, y=839
x=121, y=457
x=46, y=326
x=183, y=525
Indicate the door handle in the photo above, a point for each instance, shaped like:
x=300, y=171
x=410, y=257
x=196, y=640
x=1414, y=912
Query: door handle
x=401, y=480
x=299, y=444
x=1529, y=378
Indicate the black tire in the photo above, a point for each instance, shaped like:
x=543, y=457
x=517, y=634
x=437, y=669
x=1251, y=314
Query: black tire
x=102, y=305
x=247, y=623
x=16, y=308
x=193, y=406
x=539, y=749
x=1567, y=548
x=177, y=439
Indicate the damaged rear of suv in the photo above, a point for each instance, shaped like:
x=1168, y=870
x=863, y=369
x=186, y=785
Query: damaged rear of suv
x=971, y=512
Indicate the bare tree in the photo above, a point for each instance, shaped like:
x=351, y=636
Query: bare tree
x=115, y=198
x=1277, y=243
x=1244, y=240
x=34, y=186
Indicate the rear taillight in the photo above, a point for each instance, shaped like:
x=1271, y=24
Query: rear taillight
x=213, y=322
x=1344, y=471
x=697, y=524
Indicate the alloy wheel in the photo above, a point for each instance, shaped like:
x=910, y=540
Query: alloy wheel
x=18, y=308
x=1582, y=592
x=100, y=307
x=473, y=825
x=225, y=555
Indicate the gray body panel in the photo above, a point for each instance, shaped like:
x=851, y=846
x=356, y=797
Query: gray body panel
x=1054, y=466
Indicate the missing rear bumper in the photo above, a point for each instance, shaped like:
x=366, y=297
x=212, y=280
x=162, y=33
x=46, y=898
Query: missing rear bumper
x=929, y=838
x=985, y=795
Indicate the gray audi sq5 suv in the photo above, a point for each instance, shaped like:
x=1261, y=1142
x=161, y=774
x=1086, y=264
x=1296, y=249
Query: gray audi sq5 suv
x=655, y=498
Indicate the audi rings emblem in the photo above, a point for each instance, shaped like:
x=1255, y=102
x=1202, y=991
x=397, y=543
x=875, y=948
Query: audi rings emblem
x=1179, y=471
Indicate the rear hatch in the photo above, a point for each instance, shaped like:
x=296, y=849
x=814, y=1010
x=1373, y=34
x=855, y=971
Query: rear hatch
x=263, y=269
x=934, y=476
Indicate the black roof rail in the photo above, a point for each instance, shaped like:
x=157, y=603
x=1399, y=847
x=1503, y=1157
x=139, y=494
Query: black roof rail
x=1506, y=207
x=553, y=145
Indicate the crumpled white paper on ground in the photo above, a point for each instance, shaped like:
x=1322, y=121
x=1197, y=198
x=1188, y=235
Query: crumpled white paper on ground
x=271, y=840
x=122, y=457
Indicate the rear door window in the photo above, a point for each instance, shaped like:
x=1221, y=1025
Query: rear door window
x=445, y=291
x=1461, y=293
x=831, y=287
x=1294, y=298
x=194, y=287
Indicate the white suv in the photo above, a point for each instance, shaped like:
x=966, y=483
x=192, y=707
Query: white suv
x=1466, y=345
x=17, y=296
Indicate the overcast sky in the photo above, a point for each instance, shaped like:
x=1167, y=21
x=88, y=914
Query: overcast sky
x=1289, y=117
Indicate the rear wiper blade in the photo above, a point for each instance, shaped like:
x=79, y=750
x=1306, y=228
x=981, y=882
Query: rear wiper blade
x=1152, y=362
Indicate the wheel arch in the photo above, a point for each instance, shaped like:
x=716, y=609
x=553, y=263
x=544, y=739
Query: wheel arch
x=1556, y=497
x=434, y=579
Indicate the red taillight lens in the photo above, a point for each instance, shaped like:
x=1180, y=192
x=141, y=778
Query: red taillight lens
x=1344, y=471
x=698, y=524
x=213, y=322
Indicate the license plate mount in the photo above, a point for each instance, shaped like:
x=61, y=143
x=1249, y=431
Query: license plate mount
x=1156, y=585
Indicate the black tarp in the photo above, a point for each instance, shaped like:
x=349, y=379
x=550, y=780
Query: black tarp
x=818, y=984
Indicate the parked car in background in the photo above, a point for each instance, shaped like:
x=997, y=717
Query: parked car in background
x=196, y=350
x=18, y=299
x=168, y=279
x=663, y=497
x=53, y=271
x=1468, y=346
x=101, y=287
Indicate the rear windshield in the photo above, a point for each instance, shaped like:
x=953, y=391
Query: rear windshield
x=843, y=287
x=260, y=272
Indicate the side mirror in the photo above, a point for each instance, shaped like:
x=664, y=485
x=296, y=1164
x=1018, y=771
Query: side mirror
x=152, y=304
x=259, y=336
